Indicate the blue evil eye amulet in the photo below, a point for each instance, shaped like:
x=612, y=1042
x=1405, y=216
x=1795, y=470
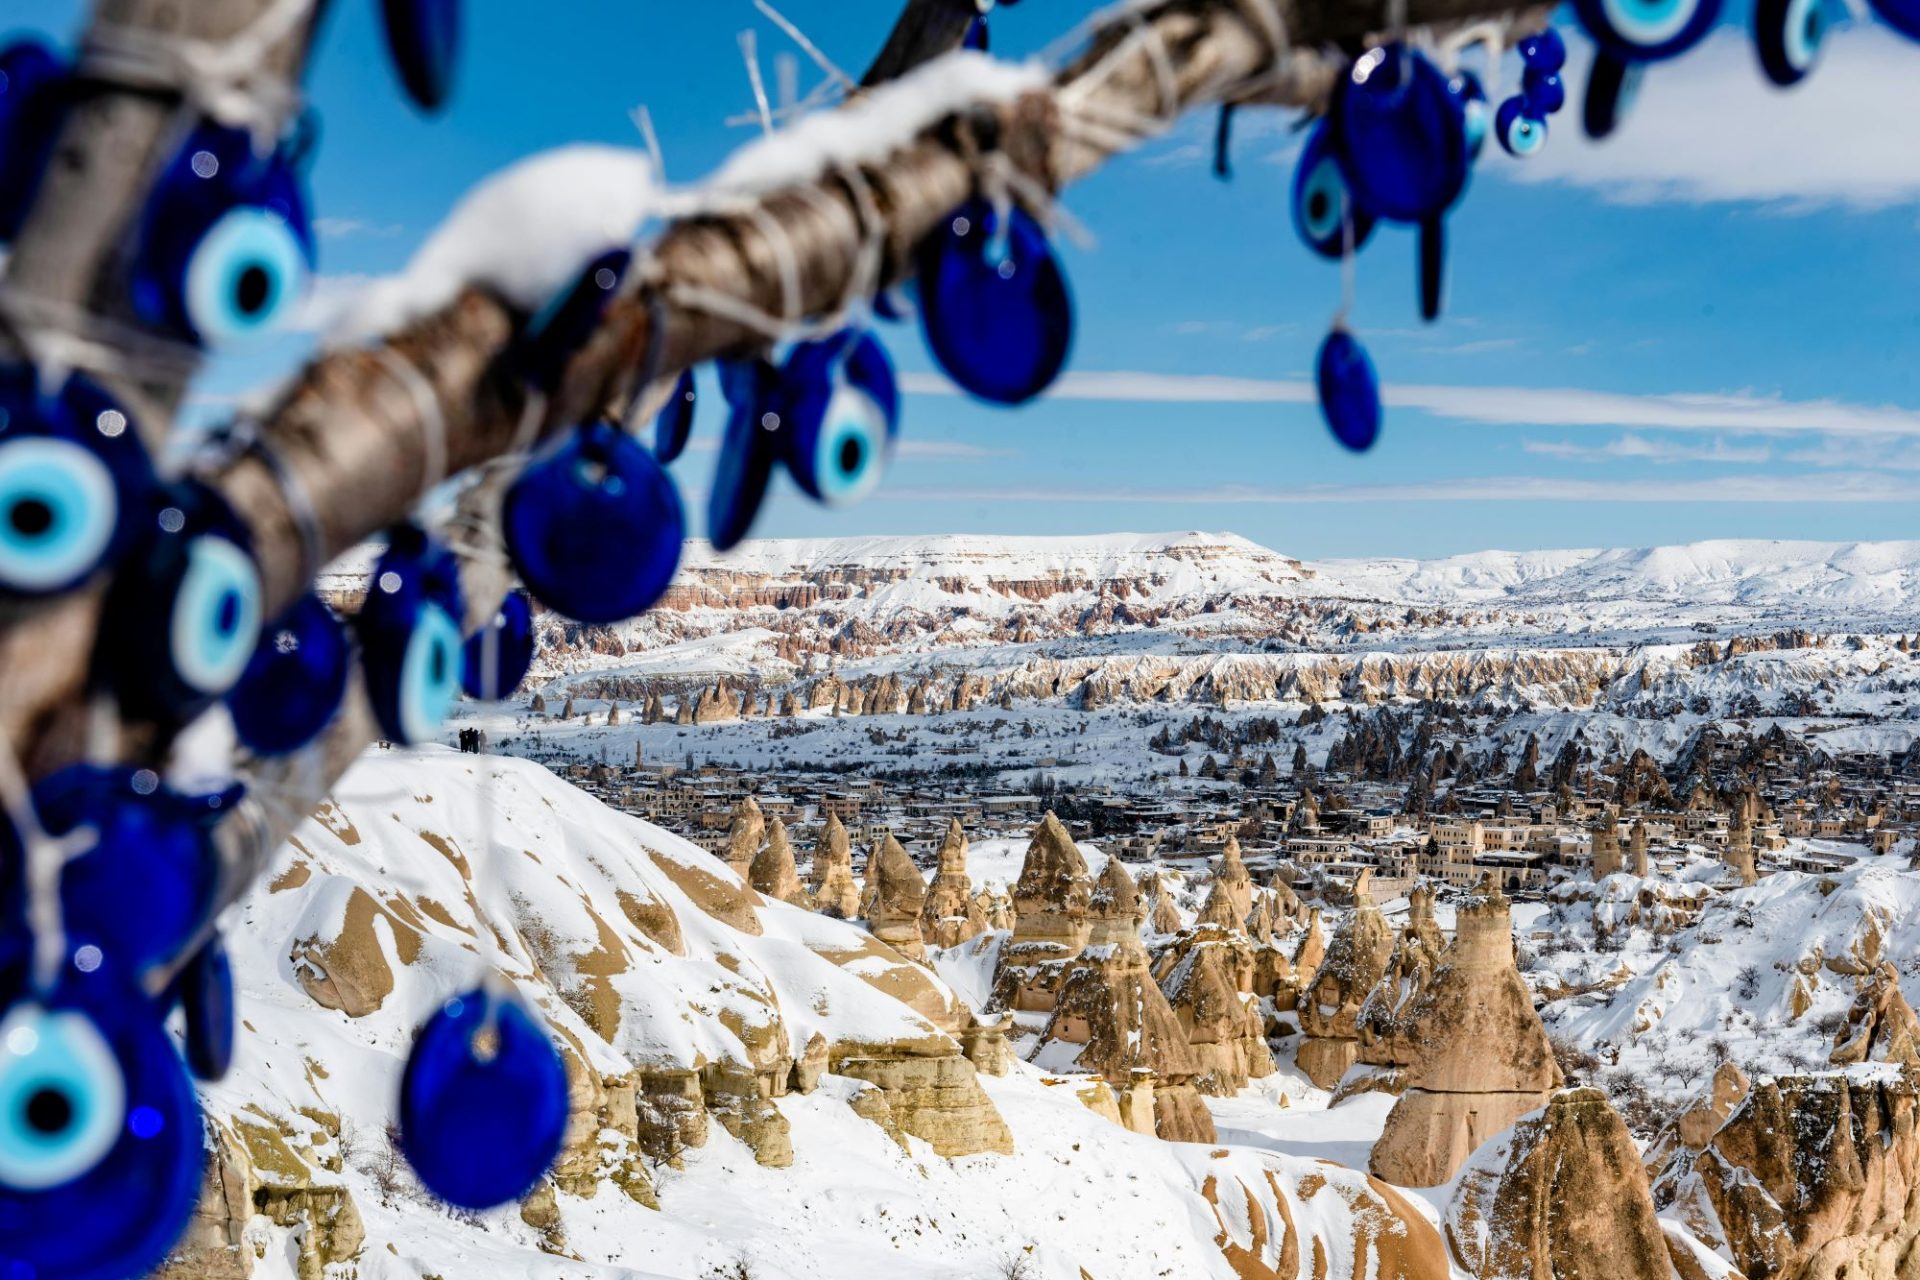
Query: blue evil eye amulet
x=1788, y=35
x=183, y=614
x=295, y=681
x=842, y=416
x=75, y=482
x=673, y=425
x=749, y=448
x=561, y=328
x=32, y=103
x=500, y=652
x=594, y=525
x=483, y=1102
x=100, y=1133
x=994, y=303
x=409, y=632
x=424, y=38
x=1323, y=203
x=224, y=248
x=1349, y=392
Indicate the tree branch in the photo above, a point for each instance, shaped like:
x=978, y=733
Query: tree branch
x=352, y=436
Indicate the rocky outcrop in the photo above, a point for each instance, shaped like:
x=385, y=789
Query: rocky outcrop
x=950, y=915
x=1329, y=1005
x=1050, y=902
x=1880, y=1026
x=1481, y=1059
x=1561, y=1197
x=1812, y=1177
x=1108, y=1003
x=1208, y=976
x=773, y=872
x=745, y=830
x=1230, y=873
x=1386, y=1021
x=898, y=896
x=834, y=890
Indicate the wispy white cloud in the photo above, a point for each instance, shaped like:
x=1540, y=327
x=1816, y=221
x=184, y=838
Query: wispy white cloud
x=1811, y=488
x=342, y=228
x=1493, y=405
x=1640, y=448
x=1709, y=128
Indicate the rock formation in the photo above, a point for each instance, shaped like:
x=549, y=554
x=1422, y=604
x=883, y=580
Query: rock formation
x=1386, y=1020
x=1812, y=1177
x=1109, y=1004
x=1605, y=842
x=950, y=915
x=1880, y=1026
x=1480, y=1056
x=1329, y=1005
x=898, y=895
x=1637, y=846
x=831, y=876
x=745, y=830
x=773, y=871
x=1208, y=977
x=1050, y=903
x=1562, y=1197
x=1231, y=875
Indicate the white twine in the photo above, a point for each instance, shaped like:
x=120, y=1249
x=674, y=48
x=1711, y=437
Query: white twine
x=226, y=79
x=426, y=405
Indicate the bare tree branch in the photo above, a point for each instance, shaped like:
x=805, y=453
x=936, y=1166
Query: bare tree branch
x=352, y=437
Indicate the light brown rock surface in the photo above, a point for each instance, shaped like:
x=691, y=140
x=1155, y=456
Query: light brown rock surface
x=1563, y=1197
x=1329, y=1005
x=1880, y=1026
x=773, y=872
x=1481, y=1059
x=745, y=831
x=1050, y=903
x=898, y=896
x=831, y=877
x=950, y=915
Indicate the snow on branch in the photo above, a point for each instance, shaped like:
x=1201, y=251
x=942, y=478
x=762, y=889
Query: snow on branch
x=782, y=233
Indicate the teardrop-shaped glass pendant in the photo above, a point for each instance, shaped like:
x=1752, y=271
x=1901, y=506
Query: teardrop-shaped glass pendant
x=1788, y=35
x=1323, y=203
x=32, y=80
x=1475, y=112
x=1433, y=267
x=994, y=303
x=145, y=884
x=207, y=1010
x=75, y=483
x=424, y=38
x=1349, y=392
x=483, y=1104
x=748, y=450
x=100, y=1135
x=295, y=681
x=1612, y=85
x=552, y=337
x=499, y=654
x=843, y=416
x=409, y=632
x=1401, y=134
x=594, y=526
x=673, y=427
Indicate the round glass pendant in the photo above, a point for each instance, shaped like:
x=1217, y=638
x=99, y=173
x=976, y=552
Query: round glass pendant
x=409, y=632
x=994, y=303
x=1323, y=203
x=100, y=1135
x=207, y=1005
x=483, y=1104
x=295, y=681
x=842, y=416
x=1401, y=134
x=748, y=449
x=1788, y=35
x=594, y=526
x=1349, y=391
x=499, y=654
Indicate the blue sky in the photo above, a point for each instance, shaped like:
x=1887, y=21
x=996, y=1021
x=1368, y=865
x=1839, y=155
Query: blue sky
x=1704, y=328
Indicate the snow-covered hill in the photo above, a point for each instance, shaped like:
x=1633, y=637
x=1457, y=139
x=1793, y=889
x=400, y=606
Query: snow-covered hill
x=775, y=1050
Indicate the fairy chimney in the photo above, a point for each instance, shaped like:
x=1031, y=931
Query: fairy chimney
x=1637, y=847
x=1232, y=874
x=1108, y=1004
x=950, y=915
x=898, y=896
x=834, y=891
x=1605, y=839
x=745, y=831
x=1481, y=1059
x=1330, y=1004
x=773, y=872
x=1050, y=902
